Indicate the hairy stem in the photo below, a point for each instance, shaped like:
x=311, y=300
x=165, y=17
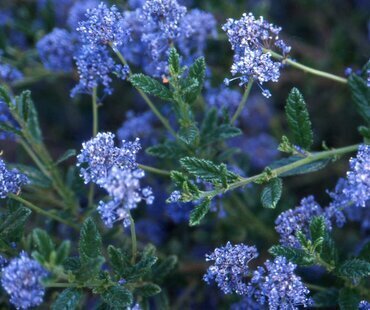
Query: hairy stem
x=242, y=102
x=307, y=69
x=133, y=240
x=154, y=170
x=42, y=211
x=163, y=120
x=95, y=129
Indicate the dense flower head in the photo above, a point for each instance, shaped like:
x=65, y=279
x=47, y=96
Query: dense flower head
x=250, y=38
x=56, y=50
x=196, y=27
x=278, y=286
x=230, y=267
x=102, y=25
x=9, y=73
x=247, y=303
x=358, y=187
x=11, y=180
x=364, y=305
x=21, y=279
x=94, y=65
x=123, y=186
x=99, y=155
x=77, y=13
x=298, y=219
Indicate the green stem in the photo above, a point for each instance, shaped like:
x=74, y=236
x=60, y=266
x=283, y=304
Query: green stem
x=163, y=120
x=281, y=170
x=133, y=240
x=42, y=211
x=94, y=103
x=154, y=170
x=242, y=102
x=95, y=111
x=316, y=287
x=307, y=69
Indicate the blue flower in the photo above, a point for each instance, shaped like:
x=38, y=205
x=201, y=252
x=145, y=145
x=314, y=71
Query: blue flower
x=230, y=267
x=123, y=187
x=8, y=73
x=21, y=279
x=94, y=65
x=364, y=305
x=56, y=50
x=77, y=13
x=11, y=181
x=99, y=155
x=6, y=118
x=292, y=221
x=278, y=286
x=102, y=25
x=250, y=38
x=223, y=97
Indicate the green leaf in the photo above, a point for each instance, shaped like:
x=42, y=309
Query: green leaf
x=199, y=212
x=151, y=86
x=299, y=119
x=188, y=134
x=365, y=252
x=225, y=131
x=68, y=154
x=67, y=300
x=117, y=297
x=119, y=261
x=360, y=96
x=7, y=128
x=207, y=170
x=142, y=268
x=197, y=71
x=32, y=120
x=147, y=290
x=45, y=246
x=317, y=228
x=11, y=227
x=296, y=256
x=271, y=194
x=326, y=299
x=329, y=251
x=90, y=241
x=162, y=269
x=63, y=252
x=308, y=168
x=4, y=96
x=348, y=299
x=174, y=62
x=167, y=150
x=354, y=269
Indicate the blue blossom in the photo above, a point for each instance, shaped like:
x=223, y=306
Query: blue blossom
x=3, y=261
x=99, y=155
x=56, y=50
x=230, y=267
x=364, y=305
x=94, y=65
x=77, y=13
x=9, y=73
x=358, y=177
x=103, y=26
x=278, y=286
x=247, y=303
x=223, y=97
x=123, y=186
x=250, y=38
x=196, y=27
x=21, y=279
x=174, y=197
x=289, y=222
x=11, y=181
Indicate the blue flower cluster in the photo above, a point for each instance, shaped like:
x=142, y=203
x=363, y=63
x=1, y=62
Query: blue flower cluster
x=230, y=267
x=276, y=284
x=56, y=50
x=251, y=39
x=115, y=170
x=11, y=181
x=21, y=279
x=9, y=73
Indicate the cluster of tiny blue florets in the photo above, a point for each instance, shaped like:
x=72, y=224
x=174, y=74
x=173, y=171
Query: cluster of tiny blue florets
x=56, y=50
x=11, y=180
x=77, y=12
x=21, y=279
x=9, y=73
x=115, y=170
x=278, y=286
x=251, y=39
x=230, y=268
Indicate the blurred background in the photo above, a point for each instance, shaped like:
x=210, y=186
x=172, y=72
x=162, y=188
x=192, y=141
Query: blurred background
x=328, y=35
